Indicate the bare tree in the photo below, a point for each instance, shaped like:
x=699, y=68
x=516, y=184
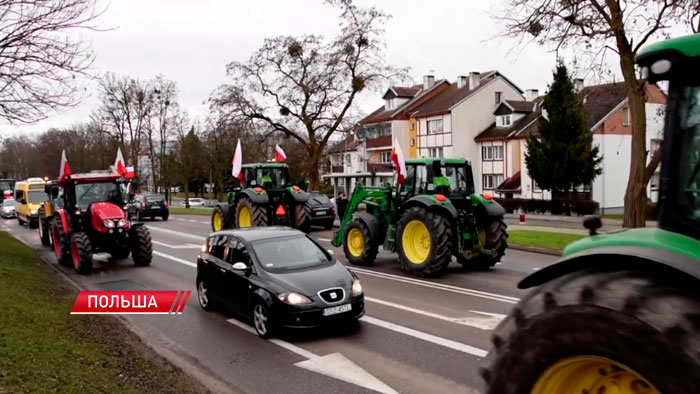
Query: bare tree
x=40, y=59
x=164, y=108
x=594, y=27
x=305, y=87
x=125, y=110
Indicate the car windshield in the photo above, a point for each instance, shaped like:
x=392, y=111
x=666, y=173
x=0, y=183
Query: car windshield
x=154, y=198
x=8, y=203
x=6, y=185
x=689, y=111
x=87, y=193
x=290, y=253
x=36, y=197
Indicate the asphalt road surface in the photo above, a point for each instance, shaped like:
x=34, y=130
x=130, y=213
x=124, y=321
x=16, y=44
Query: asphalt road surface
x=418, y=335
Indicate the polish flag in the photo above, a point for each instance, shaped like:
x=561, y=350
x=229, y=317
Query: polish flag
x=279, y=153
x=119, y=163
x=129, y=172
x=237, y=162
x=397, y=158
x=64, y=171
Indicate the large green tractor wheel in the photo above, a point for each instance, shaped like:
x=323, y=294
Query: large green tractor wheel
x=492, y=237
x=249, y=214
x=302, y=216
x=424, y=242
x=221, y=219
x=599, y=332
x=358, y=245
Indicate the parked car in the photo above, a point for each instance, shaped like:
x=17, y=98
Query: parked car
x=322, y=210
x=279, y=277
x=8, y=209
x=29, y=194
x=148, y=205
x=197, y=202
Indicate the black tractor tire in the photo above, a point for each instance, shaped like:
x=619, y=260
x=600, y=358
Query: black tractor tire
x=44, y=229
x=302, y=216
x=370, y=248
x=33, y=224
x=165, y=217
x=62, y=249
x=645, y=322
x=81, y=253
x=226, y=220
x=19, y=220
x=258, y=213
x=440, y=233
x=141, y=246
x=496, y=240
x=139, y=216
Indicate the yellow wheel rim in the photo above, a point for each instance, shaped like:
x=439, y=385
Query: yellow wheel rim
x=591, y=374
x=217, y=222
x=244, y=217
x=482, y=237
x=416, y=242
x=356, y=242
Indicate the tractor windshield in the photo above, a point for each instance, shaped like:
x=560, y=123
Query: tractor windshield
x=271, y=178
x=689, y=122
x=88, y=193
x=449, y=179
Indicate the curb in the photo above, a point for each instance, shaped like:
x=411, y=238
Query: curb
x=533, y=249
x=206, y=378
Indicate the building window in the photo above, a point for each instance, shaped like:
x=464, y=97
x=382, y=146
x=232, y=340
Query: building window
x=625, y=116
x=492, y=181
x=384, y=157
x=435, y=126
x=492, y=152
x=378, y=130
x=504, y=120
x=413, y=126
x=435, y=152
x=498, y=97
x=536, y=188
x=347, y=160
x=413, y=142
x=654, y=182
x=653, y=146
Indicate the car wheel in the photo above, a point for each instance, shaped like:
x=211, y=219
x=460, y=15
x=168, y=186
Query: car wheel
x=165, y=218
x=261, y=319
x=139, y=216
x=203, y=295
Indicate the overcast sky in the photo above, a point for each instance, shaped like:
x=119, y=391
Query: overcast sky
x=191, y=42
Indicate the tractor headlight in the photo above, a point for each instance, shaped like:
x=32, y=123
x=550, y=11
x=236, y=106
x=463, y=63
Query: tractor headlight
x=33, y=211
x=121, y=223
x=356, y=287
x=108, y=223
x=294, y=299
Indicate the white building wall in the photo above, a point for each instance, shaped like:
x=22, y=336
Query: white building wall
x=609, y=187
x=526, y=183
x=473, y=116
x=443, y=140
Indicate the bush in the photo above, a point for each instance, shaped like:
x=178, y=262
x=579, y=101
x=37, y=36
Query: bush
x=554, y=207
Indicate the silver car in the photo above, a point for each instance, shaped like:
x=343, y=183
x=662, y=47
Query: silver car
x=8, y=209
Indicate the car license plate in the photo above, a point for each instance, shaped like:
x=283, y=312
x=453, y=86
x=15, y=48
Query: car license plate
x=155, y=206
x=319, y=213
x=337, y=309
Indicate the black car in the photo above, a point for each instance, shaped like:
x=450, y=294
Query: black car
x=148, y=205
x=279, y=277
x=322, y=210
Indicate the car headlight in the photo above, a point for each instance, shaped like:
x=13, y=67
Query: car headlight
x=33, y=212
x=356, y=287
x=294, y=299
x=108, y=223
x=121, y=223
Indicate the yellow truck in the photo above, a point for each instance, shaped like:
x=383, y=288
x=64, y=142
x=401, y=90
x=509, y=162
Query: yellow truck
x=29, y=195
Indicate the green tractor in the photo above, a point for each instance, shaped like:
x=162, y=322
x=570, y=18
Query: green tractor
x=432, y=216
x=620, y=312
x=266, y=198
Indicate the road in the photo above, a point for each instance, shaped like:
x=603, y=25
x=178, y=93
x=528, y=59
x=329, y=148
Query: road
x=418, y=335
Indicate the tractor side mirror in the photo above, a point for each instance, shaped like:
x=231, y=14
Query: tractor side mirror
x=592, y=223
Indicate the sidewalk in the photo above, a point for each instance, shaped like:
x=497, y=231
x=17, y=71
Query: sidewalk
x=555, y=222
x=549, y=229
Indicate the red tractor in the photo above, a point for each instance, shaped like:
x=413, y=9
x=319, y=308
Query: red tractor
x=86, y=216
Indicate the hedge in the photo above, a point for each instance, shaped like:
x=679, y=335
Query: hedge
x=554, y=207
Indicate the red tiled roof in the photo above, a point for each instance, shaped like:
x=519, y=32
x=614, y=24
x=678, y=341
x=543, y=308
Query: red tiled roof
x=450, y=96
x=403, y=91
x=599, y=100
x=521, y=106
x=346, y=145
x=511, y=184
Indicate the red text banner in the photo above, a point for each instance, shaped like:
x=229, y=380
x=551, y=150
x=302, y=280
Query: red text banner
x=131, y=302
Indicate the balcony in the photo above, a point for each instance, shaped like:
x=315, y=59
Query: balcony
x=380, y=167
x=379, y=142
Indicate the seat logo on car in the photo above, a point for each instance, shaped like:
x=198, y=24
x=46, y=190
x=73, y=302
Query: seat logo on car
x=334, y=296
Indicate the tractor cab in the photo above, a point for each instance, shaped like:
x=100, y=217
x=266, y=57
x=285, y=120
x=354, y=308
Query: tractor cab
x=451, y=178
x=268, y=176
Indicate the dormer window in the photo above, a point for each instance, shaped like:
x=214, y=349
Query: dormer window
x=504, y=121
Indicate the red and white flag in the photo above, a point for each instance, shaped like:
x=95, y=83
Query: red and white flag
x=64, y=171
x=119, y=163
x=237, y=162
x=279, y=153
x=397, y=158
x=129, y=172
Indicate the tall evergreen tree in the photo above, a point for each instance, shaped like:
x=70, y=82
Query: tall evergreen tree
x=563, y=156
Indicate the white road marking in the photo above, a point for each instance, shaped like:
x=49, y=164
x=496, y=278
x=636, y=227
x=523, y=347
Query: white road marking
x=484, y=323
x=448, y=343
x=185, y=246
x=334, y=365
x=176, y=259
x=323, y=239
x=173, y=232
x=436, y=285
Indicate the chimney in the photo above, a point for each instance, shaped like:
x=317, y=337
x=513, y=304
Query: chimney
x=531, y=94
x=578, y=84
x=474, y=80
x=428, y=81
x=462, y=81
